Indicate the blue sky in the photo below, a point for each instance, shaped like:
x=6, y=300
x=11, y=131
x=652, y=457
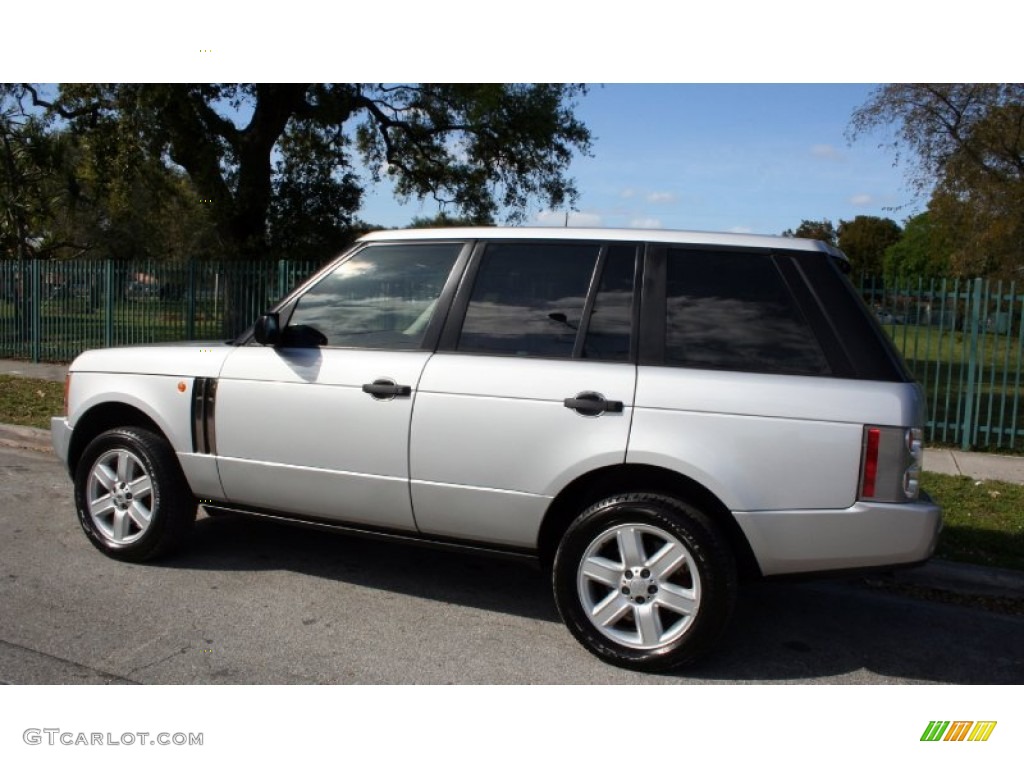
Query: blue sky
x=722, y=157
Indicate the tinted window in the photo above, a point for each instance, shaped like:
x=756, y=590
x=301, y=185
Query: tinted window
x=383, y=297
x=528, y=299
x=608, y=332
x=733, y=311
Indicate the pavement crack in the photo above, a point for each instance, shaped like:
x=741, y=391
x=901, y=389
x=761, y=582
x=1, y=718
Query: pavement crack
x=171, y=655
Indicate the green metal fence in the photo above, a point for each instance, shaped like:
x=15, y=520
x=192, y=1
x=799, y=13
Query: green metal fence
x=51, y=310
x=962, y=339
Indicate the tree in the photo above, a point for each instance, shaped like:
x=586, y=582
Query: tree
x=865, y=239
x=815, y=230
x=276, y=164
x=922, y=251
x=443, y=219
x=967, y=147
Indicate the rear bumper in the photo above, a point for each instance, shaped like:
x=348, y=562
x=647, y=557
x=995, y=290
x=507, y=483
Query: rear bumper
x=866, y=535
x=60, y=435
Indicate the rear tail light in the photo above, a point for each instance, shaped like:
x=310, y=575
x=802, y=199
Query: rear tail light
x=891, y=463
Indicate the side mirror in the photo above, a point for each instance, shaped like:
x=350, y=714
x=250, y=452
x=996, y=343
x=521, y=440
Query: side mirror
x=268, y=329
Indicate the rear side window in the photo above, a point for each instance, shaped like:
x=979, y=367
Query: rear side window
x=732, y=311
x=528, y=299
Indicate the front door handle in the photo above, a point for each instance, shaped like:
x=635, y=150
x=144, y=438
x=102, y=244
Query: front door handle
x=385, y=389
x=592, y=404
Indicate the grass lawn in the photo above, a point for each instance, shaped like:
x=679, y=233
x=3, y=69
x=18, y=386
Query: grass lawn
x=983, y=521
x=30, y=402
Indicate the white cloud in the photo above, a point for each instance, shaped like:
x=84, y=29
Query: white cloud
x=646, y=223
x=627, y=193
x=661, y=197
x=576, y=219
x=826, y=151
x=862, y=200
x=741, y=230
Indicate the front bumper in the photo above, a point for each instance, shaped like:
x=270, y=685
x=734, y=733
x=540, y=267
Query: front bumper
x=60, y=435
x=866, y=535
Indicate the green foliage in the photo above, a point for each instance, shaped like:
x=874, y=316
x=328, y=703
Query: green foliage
x=865, y=240
x=967, y=152
x=922, y=251
x=822, y=230
x=443, y=219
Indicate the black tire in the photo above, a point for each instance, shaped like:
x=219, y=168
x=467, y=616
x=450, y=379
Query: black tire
x=645, y=609
x=123, y=515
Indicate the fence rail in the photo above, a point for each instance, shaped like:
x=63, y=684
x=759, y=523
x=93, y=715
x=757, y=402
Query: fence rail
x=51, y=311
x=962, y=339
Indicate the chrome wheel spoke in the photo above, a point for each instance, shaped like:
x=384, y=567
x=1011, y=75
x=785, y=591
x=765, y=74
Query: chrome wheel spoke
x=139, y=514
x=119, y=529
x=667, y=560
x=102, y=506
x=631, y=546
x=603, y=571
x=610, y=610
x=141, y=486
x=648, y=624
x=677, y=599
x=105, y=476
x=124, y=466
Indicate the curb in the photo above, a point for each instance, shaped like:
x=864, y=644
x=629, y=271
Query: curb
x=964, y=579
x=31, y=438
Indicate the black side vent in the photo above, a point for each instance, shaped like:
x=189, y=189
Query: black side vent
x=204, y=398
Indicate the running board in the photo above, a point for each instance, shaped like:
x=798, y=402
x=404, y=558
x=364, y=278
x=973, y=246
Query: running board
x=510, y=553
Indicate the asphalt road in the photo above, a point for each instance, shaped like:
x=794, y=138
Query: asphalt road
x=255, y=602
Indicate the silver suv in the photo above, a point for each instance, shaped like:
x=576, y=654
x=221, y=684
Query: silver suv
x=650, y=414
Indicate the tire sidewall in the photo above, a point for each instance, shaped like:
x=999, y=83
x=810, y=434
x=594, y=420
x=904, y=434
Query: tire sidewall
x=710, y=557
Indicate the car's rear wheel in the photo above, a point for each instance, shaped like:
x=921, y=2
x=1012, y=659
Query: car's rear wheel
x=644, y=581
x=132, y=499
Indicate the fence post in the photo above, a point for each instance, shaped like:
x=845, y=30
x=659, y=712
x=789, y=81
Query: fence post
x=190, y=309
x=37, y=312
x=972, y=366
x=108, y=288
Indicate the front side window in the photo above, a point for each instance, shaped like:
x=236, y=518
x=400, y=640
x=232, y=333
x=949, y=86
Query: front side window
x=381, y=298
x=732, y=311
x=528, y=299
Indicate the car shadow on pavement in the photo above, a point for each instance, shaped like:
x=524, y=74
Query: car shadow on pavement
x=238, y=543
x=788, y=631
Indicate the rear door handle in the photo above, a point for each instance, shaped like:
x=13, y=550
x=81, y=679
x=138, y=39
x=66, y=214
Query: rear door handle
x=385, y=389
x=592, y=404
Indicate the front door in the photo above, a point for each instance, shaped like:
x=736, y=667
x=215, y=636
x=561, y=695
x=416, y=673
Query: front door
x=322, y=431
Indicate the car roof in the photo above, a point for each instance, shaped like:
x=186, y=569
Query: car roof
x=682, y=237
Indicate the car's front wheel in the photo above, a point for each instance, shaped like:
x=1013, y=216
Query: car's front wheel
x=132, y=499
x=644, y=581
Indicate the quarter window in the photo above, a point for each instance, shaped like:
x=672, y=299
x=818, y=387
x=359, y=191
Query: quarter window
x=733, y=311
x=381, y=298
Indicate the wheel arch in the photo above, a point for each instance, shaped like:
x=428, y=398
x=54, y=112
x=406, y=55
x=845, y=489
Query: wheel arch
x=598, y=484
x=99, y=419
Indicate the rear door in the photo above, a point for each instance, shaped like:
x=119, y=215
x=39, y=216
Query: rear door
x=532, y=387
